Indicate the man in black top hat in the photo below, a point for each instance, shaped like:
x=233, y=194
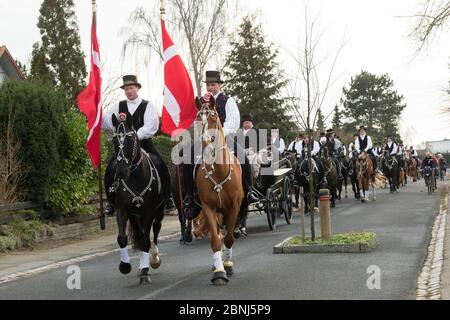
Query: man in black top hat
x=146, y=123
x=231, y=119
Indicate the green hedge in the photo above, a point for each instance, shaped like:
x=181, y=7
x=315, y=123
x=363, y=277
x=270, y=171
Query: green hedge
x=77, y=181
x=38, y=120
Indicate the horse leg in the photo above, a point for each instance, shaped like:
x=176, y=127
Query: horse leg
x=220, y=276
x=229, y=241
x=155, y=261
x=122, y=240
x=374, y=193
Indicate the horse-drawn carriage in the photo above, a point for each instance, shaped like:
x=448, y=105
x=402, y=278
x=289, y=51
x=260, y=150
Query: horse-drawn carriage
x=274, y=188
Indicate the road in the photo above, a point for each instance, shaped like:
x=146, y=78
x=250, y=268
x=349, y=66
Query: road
x=401, y=221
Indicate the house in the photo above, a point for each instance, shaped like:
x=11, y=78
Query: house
x=8, y=66
x=439, y=146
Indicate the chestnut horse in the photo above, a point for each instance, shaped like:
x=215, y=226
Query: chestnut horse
x=413, y=165
x=365, y=177
x=219, y=185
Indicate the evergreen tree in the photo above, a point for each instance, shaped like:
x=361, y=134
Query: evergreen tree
x=320, y=121
x=254, y=79
x=371, y=101
x=59, y=57
x=336, y=122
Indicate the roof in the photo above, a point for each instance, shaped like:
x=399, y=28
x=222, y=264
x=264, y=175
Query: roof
x=6, y=56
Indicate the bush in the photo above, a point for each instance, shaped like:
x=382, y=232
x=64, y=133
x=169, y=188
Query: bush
x=38, y=120
x=164, y=146
x=77, y=181
x=20, y=234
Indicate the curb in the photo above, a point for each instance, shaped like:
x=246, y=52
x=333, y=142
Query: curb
x=429, y=282
x=324, y=248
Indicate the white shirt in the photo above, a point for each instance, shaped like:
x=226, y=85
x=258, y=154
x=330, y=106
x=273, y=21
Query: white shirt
x=351, y=147
x=315, y=150
x=298, y=146
x=233, y=120
x=414, y=154
x=394, y=150
x=369, y=144
x=282, y=144
x=151, y=118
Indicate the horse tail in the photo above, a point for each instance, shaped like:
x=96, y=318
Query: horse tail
x=136, y=233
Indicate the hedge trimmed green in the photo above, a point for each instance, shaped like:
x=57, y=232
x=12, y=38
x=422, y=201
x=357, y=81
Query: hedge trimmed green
x=38, y=118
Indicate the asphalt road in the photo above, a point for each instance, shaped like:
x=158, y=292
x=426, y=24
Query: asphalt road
x=401, y=221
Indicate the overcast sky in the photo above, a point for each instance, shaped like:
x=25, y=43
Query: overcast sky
x=376, y=41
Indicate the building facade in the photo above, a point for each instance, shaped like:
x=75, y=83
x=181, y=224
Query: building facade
x=8, y=66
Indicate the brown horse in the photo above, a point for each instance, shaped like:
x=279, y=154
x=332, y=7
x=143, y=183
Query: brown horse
x=365, y=177
x=219, y=184
x=413, y=166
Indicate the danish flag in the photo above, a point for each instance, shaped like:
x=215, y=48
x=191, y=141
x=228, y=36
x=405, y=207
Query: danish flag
x=89, y=102
x=179, y=109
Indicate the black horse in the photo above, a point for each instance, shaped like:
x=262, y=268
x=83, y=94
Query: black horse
x=352, y=174
x=390, y=168
x=304, y=179
x=138, y=198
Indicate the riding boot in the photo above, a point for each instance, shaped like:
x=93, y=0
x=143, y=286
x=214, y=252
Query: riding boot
x=188, y=185
x=109, y=189
x=247, y=184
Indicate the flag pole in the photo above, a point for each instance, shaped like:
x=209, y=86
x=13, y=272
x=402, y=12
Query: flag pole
x=181, y=215
x=99, y=170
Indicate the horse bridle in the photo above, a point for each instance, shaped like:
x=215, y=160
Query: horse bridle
x=206, y=113
x=121, y=136
x=138, y=200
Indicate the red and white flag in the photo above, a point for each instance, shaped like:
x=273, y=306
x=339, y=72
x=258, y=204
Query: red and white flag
x=89, y=102
x=179, y=109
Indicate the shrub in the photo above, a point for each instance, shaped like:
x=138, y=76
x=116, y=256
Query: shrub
x=77, y=181
x=37, y=110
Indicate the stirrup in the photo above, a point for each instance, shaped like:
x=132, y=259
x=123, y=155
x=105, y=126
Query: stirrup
x=110, y=210
x=188, y=202
x=252, y=197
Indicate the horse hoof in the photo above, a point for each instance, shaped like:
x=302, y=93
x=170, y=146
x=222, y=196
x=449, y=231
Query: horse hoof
x=229, y=271
x=156, y=265
x=219, y=278
x=188, y=238
x=124, y=268
x=144, y=280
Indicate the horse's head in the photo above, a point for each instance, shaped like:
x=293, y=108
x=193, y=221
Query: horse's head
x=209, y=119
x=362, y=157
x=126, y=145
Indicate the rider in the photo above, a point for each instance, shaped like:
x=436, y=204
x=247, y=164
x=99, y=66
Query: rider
x=379, y=150
x=146, y=123
x=230, y=117
x=364, y=144
x=315, y=149
x=414, y=153
x=334, y=147
x=391, y=146
x=352, y=146
x=277, y=141
x=296, y=146
x=428, y=161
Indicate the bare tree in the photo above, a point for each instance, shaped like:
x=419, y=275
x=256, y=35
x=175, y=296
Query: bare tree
x=11, y=171
x=432, y=18
x=201, y=25
x=307, y=90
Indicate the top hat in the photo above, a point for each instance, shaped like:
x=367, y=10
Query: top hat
x=247, y=118
x=130, y=80
x=362, y=128
x=330, y=131
x=213, y=77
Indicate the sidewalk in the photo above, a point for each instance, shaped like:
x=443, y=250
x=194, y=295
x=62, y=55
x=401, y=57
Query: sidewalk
x=51, y=253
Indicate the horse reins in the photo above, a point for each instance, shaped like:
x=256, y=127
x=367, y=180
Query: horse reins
x=205, y=113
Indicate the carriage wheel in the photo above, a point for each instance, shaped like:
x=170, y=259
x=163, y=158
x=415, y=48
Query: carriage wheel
x=287, y=200
x=271, y=209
